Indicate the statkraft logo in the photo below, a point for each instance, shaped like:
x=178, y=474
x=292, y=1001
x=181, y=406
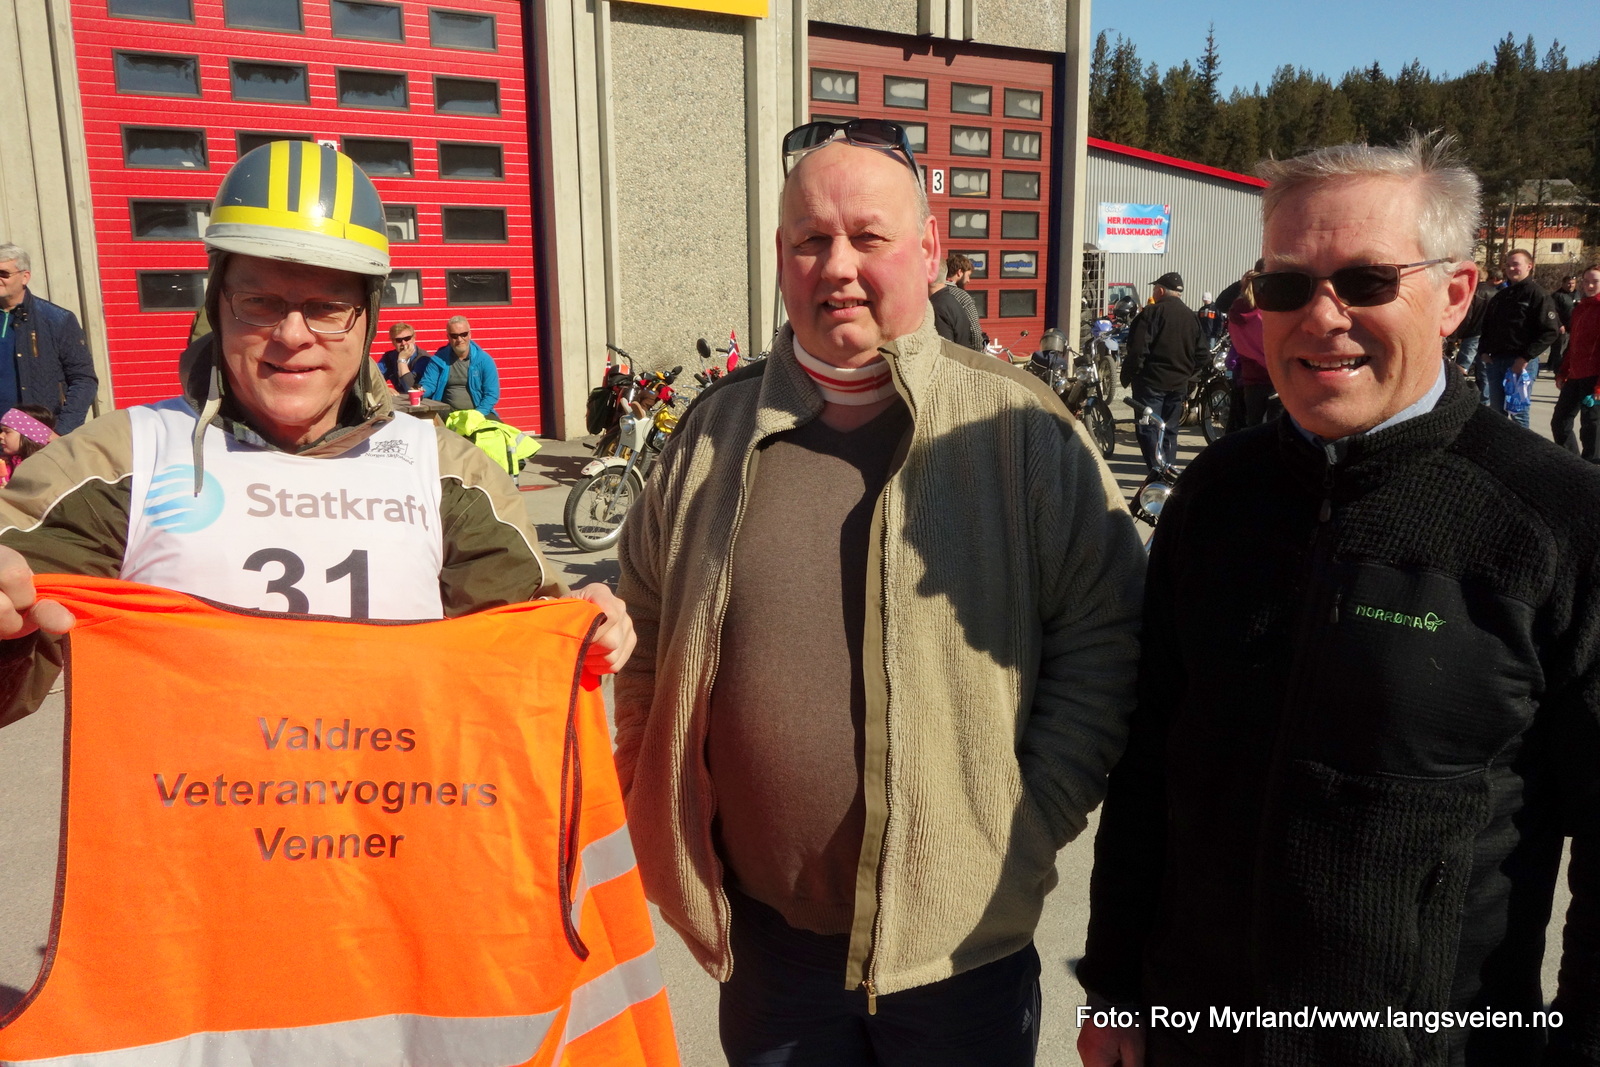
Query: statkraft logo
x=172, y=504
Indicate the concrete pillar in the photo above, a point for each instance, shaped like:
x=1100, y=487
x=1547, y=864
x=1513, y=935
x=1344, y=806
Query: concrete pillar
x=1072, y=159
x=44, y=173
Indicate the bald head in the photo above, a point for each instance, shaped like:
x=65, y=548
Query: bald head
x=857, y=252
x=913, y=186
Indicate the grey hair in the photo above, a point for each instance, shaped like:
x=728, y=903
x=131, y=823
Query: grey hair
x=1447, y=223
x=11, y=253
x=462, y=319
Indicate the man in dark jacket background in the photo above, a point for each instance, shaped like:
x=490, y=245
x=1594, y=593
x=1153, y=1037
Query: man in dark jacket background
x=1566, y=298
x=1369, y=688
x=1519, y=326
x=1163, y=343
x=44, y=358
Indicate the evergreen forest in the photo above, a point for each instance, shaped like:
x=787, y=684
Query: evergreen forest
x=1524, y=120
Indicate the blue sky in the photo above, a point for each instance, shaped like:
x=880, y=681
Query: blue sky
x=1331, y=36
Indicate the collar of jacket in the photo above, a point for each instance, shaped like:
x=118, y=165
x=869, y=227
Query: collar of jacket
x=1362, y=461
x=1526, y=285
x=789, y=397
x=365, y=407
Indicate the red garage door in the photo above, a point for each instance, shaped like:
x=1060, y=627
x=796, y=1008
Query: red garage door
x=429, y=100
x=980, y=121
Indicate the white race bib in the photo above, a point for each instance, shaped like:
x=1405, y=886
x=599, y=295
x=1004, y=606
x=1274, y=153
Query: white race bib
x=355, y=535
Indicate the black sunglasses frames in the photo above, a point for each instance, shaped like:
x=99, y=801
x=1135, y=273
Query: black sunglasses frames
x=879, y=134
x=1368, y=285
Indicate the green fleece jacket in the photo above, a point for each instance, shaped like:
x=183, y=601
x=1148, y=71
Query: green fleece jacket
x=1004, y=580
x=66, y=512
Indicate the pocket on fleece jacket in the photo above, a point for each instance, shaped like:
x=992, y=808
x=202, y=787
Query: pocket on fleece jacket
x=1363, y=882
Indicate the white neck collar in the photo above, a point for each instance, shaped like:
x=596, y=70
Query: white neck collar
x=851, y=386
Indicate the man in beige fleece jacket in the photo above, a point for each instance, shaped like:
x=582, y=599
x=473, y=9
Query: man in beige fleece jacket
x=887, y=597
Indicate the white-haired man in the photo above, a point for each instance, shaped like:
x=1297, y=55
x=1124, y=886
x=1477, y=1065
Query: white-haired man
x=461, y=373
x=44, y=358
x=1370, y=685
x=886, y=594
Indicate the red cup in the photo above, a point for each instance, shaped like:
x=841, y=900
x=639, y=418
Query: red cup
x=415, y=396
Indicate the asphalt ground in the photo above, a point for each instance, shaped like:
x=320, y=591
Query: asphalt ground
x=30, y=787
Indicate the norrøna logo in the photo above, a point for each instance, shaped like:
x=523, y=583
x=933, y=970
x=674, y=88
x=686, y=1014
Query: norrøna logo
x=171, y=503
x=1429, y=622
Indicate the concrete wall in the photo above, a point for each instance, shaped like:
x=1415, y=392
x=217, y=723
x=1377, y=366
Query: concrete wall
x=678, y=121
x=44, y=176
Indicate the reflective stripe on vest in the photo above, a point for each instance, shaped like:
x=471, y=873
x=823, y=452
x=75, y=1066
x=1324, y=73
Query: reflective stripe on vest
x=280, y=849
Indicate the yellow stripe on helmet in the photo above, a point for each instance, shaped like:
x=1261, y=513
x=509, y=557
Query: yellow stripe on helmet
x=344, y=188
x=278, y=177
x=234, y=214
x=311, y=181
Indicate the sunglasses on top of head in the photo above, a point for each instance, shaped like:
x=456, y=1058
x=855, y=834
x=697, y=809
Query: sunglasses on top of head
x=1368, y=285
x=879, y=134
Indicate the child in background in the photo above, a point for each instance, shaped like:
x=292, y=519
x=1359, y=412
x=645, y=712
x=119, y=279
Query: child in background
x=23, y=431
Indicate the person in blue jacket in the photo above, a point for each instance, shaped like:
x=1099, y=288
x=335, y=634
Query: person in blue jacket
x=44, y=358
x=461, y=374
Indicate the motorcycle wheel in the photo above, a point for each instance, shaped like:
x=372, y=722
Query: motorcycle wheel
x=1109, y=369
x=1214, y=406
x=1102, y=427
x=597, y=505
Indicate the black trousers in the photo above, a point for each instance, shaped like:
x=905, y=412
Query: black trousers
x=1570, y=403
x=1168, y=409
x=786, y=1006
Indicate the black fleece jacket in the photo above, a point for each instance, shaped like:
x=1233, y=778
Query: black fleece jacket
x=1368, y=713
x=1520, y=322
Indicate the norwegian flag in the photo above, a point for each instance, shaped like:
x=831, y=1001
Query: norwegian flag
x=733, y=350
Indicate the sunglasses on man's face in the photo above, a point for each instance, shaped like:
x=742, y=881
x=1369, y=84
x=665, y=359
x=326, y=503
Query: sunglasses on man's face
x=7, y=275
x=404, y=340
x=1368, y=285
x=879, y=134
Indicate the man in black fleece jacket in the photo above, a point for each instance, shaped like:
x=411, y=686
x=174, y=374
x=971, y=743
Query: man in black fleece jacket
x=1369, y=693
x=1519, y=326
x=1163, y=343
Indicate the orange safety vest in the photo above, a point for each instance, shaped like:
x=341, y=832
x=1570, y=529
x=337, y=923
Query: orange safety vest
x=279, y=848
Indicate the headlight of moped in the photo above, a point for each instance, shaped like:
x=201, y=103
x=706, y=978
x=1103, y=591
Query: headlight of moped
x=1153, y=497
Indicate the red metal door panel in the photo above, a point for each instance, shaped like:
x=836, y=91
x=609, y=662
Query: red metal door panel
x=144, y=344
x=1014, y=300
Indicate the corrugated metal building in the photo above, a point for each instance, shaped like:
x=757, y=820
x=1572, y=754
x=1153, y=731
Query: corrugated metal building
x=1215, y=233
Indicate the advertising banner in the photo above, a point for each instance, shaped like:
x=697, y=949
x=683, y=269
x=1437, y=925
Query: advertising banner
x=1133, y=227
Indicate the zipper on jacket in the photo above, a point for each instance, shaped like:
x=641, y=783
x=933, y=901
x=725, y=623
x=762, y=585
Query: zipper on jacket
x=871, y=964
x=1320, y=546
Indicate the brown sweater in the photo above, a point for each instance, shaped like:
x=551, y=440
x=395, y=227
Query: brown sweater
x=787, y=710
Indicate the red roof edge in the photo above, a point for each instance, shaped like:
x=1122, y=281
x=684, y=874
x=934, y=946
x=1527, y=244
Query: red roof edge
x=1173, y=161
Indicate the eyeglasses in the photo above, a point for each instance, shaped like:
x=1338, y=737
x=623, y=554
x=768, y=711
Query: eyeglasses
x=459, y=336
x=879, y=134
x=7, y=275
x=263, y=310
x=405, y=340
x=1368, y=285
